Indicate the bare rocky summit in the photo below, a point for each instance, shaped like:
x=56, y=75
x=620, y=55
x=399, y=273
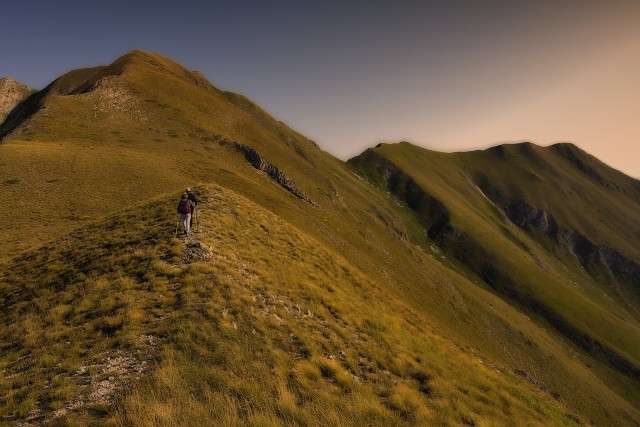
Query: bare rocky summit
x=11, y=94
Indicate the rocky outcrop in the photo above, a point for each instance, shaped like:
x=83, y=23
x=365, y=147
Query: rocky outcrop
x=11, y=94
x=603, y=263
x=530, y=218
x=23, y=111
x=272, y=171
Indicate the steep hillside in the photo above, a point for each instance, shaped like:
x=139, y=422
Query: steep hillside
x=11, y=94
x=250, y=321
x=144, y=117
x=95, y=162
x=553, y=230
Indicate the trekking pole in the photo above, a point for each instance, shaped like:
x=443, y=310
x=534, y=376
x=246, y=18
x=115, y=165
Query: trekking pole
x=177, y=224
x=195, y=220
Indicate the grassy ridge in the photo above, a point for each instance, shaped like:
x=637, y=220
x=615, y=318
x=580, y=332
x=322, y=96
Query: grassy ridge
x=522, y=266
x=108, y=136
x=253, y=323
x=89, y=154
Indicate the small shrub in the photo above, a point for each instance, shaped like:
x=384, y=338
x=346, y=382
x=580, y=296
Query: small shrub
x=423, y=381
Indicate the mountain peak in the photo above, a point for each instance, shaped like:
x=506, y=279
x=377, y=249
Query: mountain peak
x=567, y=149
x=573, y=153
x=143, y=63
x=142, y=57
x=8, y=81
x=139, y=66
x=140, y=53
x=155, y=62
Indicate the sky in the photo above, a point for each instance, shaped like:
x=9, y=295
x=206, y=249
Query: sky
x=447, y=75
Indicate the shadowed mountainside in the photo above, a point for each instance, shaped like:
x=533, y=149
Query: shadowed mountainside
x=310, y=295
x=552, y=229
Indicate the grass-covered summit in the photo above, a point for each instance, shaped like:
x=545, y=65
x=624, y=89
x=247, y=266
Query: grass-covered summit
x=403, y=288
x=98, y=139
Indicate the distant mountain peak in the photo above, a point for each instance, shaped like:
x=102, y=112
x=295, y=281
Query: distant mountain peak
x=8, y=80
x=573, y=153
x=12, y=92
x=568, y=149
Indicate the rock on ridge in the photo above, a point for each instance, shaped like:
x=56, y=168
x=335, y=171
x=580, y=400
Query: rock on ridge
x=272, y=171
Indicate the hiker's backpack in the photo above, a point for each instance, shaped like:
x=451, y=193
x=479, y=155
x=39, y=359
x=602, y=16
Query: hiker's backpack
x=185, y=206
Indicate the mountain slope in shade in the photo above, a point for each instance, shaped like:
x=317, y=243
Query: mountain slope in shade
x=310, y=295
x=11, y=94
x=552, y=229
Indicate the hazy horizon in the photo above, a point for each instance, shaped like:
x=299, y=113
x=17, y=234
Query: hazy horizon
x=449, y=77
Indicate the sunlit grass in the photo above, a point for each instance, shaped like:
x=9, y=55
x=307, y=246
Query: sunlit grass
x=236, y=332
x=334, y=314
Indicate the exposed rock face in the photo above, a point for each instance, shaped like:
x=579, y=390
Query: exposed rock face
x=11, y=94
x=110, y=95
x=272, y=171
x=526, y=216
x=601, y=262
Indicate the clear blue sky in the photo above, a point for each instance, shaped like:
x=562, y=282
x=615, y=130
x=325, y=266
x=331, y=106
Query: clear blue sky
x=448, y=75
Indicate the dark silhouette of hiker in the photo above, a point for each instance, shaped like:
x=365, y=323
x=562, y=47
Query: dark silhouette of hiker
x=194, y=199
x=185, y=208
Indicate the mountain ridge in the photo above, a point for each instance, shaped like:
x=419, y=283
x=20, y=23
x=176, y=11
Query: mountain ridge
x=429, y=233
x=507, y=196
x=329, y=339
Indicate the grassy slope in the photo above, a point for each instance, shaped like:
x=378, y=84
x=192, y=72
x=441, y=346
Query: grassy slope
x=263, y=325
x=535, y=274
x=170, y=131
x=155, y=124
x=552, y=179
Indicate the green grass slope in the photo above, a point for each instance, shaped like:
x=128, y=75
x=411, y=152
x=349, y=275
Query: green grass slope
x=248, y=322
x=100, y=138
x=551, y=229
x=91, y=161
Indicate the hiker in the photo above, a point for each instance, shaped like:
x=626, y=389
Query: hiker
x=185, y=207
x=194, y=199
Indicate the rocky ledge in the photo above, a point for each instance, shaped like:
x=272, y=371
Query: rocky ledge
x=272, y=171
